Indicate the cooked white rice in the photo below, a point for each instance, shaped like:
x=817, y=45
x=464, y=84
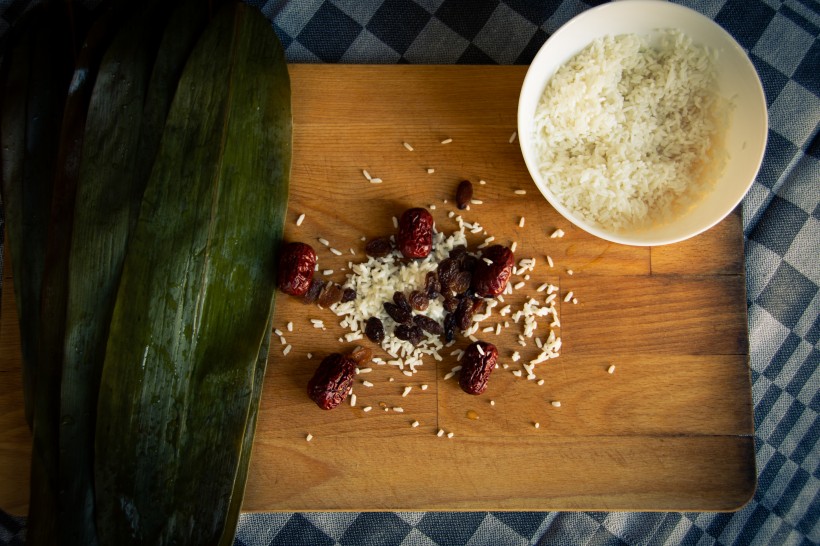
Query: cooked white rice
x=627, y=132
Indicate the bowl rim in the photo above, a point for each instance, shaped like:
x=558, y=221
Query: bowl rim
x=531, y=79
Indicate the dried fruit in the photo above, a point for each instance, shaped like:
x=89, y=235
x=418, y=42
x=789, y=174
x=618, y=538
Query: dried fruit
x=331, y=293
x=316, y=287
x=398, y=314
x=477, y=364
x=419, y=300
x=348, y=294
x=450, y=303
x=490, y=279
x=432, y=285
x=458, y=251
x=415, y=237
x=447, y=270
x=405, y=332
x=374, y=330
x=461, y=282
x=296, y=264
x=379, y=247
x=464, y=193
x=464, y=313
x=401, y=300
x=331, y=381
x=428, y=325
x=449, y=327
x=361, y=354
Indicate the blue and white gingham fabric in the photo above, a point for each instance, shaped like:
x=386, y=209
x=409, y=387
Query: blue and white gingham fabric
x=781, y=221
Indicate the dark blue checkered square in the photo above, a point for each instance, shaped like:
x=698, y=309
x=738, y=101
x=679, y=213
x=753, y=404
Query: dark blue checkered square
x=375, y=529
x=451, y=13
x=779, y=225
x=745, y=21
x=784, y=294
x=779, y=153
x=329, y=33
x=450, y=527
x=398, y=22
x=300, y=532
x=772, y=79
x=808, y=71
x=524, y=523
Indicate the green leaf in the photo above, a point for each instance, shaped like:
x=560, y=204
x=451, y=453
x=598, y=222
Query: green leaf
x=195, y=294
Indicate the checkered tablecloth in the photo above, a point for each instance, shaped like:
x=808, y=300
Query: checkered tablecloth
x=781, y=220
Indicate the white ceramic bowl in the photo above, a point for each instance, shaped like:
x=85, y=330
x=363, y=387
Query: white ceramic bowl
x=737, y=80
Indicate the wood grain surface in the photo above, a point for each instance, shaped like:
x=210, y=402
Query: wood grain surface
x=671, y=429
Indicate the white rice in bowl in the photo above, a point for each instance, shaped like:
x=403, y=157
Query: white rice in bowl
x=628, y=133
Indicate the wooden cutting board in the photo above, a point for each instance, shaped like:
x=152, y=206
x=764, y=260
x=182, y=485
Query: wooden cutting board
x=670, y=429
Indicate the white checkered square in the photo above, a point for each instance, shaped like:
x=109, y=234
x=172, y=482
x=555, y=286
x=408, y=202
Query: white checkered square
x=566, y=11
x=794, y=113
x=436, y=43
x=804, y=252
x=783, y=44
x=333, y=525
x=297, y=53
x=361, y=12
x=761, y=263
x=260, y=529
x=505, y=35
x=367, y=48
x=417, y=538
x=293, y=16
x=765, y=337
x=754, y=204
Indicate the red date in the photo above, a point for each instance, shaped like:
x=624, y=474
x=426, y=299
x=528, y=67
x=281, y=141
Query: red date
x=490, y=279
x=296, y=264
x=477, y=364
x=415, y=237
x=332, y=380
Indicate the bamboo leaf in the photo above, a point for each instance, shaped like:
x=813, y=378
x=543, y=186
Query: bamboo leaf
x=195, y=295
x=108, y=190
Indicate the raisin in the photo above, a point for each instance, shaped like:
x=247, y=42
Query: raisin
x=479, y=306
x=449, y=327
x=361, y=354
x=476, y=367
x=416, y=335
x=401, y=300
x=397, y=313
x=490, y=279
x=332, y=293
x=297, y=262
x=378, y=247
x=464, y=314
x=447, y=270
x=331, y=381
x=450, y=303
x=405, y=332
x=348, y=295
x=402, y=332
x=461, y=282
x=468, y=262
x=374, y=330
x=428, y=325
x=419, y=300
x=415, y=237
x=431, y=285
x=316, y=287
x=464, y=193
x=458, y=251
